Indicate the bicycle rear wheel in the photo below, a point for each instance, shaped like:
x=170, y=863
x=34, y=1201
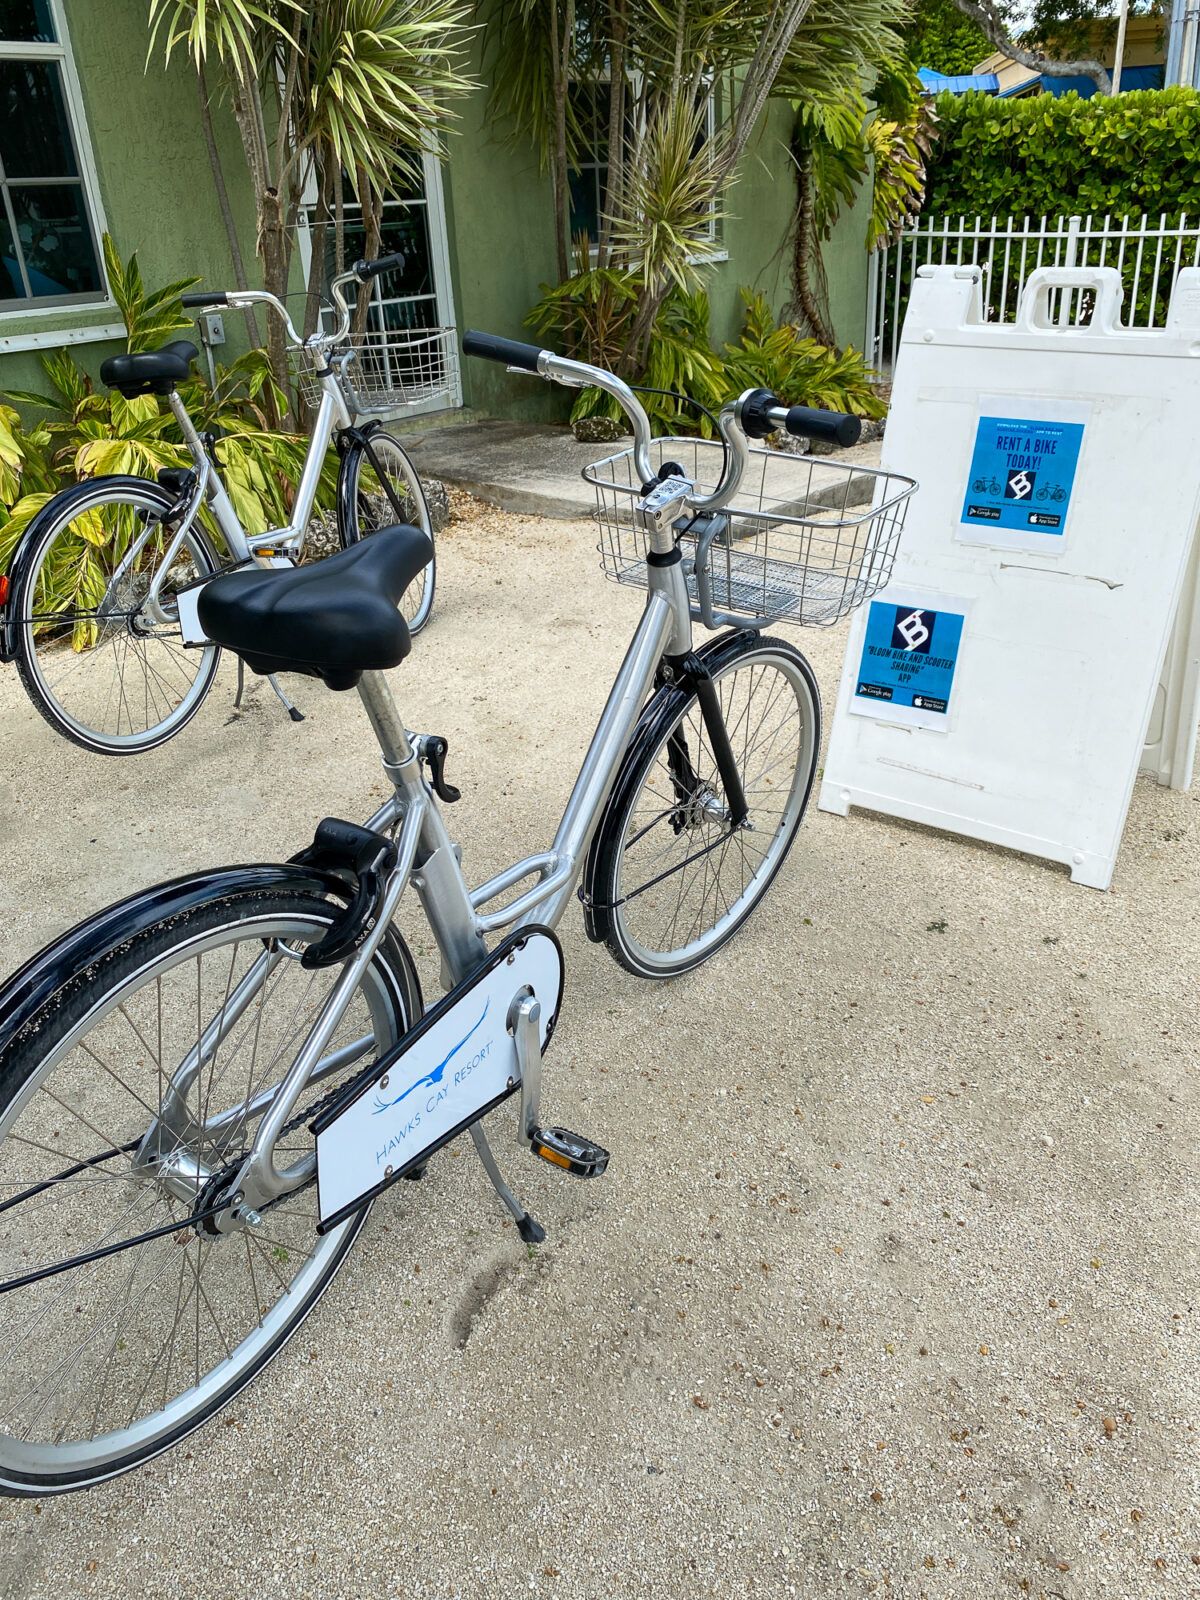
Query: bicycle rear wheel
x=102, y=671
x=671, y=879
x=107, y=1363
x=371, y=499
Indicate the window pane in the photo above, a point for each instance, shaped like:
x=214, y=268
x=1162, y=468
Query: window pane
x=584, y=217
x=11, y=287
x=35, y=135
x=406, y=316
x=27, y=19
x=406, y=229
x=55, y=239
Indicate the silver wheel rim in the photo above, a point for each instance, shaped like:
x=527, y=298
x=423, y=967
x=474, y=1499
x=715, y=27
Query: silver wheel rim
x=417, y=600
x=105, y=1372
x=165, y=680
x=691, y=911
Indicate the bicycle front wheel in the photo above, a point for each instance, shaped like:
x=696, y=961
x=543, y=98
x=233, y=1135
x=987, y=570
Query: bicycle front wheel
x=123, y=1104
x=673, y=877
x=373, y=497
x=103, y=670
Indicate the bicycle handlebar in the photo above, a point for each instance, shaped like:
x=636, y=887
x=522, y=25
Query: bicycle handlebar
x=511, y=351
x=239, y=299
x=752, y=415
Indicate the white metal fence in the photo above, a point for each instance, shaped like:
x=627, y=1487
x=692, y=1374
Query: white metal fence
x=1148, y=255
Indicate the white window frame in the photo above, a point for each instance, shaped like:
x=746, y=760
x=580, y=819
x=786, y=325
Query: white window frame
x=63, y=54
x=434, y=201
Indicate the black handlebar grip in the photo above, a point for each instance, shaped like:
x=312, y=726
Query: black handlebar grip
x=510, y=351
x=834, y=427
x=372, y=269
x=204, y=297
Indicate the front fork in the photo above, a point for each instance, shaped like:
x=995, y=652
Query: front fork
x=690, y=672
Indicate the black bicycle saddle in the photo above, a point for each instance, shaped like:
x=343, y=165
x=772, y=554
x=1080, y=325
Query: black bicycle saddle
x=333, y=620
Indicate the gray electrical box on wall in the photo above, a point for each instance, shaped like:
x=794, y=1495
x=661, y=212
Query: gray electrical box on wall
x=212, y=327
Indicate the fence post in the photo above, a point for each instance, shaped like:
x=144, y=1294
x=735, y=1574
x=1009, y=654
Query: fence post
x=1070, y=259
x=872, y=338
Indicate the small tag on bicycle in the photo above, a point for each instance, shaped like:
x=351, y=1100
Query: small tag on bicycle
x=450, y=1070
x=188, y=603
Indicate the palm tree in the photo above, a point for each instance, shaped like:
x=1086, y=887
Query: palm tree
x=670, y=157
x=331, y=87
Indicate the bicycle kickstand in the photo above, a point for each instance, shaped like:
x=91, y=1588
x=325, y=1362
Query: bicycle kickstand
x=293, y=711
x=532, y=1232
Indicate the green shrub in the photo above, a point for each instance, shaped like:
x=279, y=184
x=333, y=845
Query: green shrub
x=940, y=37
x=589, y=317
x=74, y=432
x=799, y=370
x=1060, y=155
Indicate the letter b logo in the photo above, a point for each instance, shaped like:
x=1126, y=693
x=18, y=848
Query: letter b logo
x=912, y=631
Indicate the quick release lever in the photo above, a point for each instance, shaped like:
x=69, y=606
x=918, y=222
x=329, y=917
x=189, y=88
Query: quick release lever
x=432, y=749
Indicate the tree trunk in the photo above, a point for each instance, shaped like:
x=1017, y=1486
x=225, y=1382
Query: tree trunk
x=560, y=56
x=371, y=223
x=616, y=130
x=984, y=14
x=805, y=247
x=272, y=248
x=231, y=234
x=316, y=269
x=339, y=221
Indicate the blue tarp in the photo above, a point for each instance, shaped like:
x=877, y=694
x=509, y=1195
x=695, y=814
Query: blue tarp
x=988, y=83
x=1131, y=78
x=939, y=83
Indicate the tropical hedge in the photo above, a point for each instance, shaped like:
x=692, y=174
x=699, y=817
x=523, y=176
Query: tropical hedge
x=1058, y=156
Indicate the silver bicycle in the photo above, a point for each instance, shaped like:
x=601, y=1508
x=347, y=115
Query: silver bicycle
x=95, y=588
x=204, y=1087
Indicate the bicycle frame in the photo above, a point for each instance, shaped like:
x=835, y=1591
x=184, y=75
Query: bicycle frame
x=332, y=417
x=425, y=854
x=457, y=915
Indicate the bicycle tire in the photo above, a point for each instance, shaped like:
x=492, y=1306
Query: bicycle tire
x=45, y=1047
x=363, y=510
x=38, y=677
x=698, y=830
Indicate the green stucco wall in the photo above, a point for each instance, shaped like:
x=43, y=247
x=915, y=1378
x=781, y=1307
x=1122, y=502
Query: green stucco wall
x=158, y=198
x=156, y=185
x=500, y=212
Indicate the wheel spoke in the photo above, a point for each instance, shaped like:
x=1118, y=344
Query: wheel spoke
x=682, y=879
x=98, y=1357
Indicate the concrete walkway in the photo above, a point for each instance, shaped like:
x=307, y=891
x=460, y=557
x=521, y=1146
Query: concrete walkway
x=537, y=470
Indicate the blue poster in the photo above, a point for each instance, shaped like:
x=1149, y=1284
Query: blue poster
x=909, y=656
x=1022, y=474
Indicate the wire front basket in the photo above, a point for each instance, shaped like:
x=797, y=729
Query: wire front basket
x=809, y=539
x=391, y=371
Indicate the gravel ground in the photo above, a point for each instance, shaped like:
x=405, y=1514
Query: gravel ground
x=890, y=1289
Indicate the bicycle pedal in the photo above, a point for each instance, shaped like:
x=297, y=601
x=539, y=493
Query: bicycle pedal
x=582, y=1158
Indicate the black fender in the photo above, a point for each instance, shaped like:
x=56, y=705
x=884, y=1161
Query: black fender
x=351, y=442
x=658, y=714
x=20, y=564
x=28, y=990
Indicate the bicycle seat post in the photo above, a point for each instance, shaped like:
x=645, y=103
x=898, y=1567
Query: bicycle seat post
x=376, y=696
